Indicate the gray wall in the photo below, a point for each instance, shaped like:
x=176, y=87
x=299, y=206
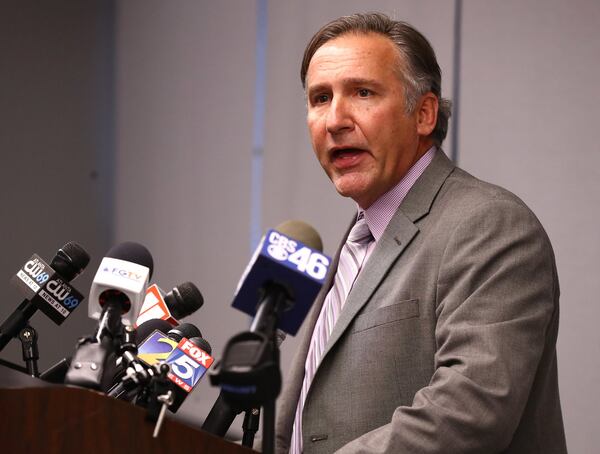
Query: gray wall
x=530, y=106
x=169, y=108
x=57, y=147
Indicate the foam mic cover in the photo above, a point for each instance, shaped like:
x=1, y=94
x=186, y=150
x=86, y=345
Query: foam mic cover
x=184, y=330
x=148, y=327
x=184, y=300
x=180, y=302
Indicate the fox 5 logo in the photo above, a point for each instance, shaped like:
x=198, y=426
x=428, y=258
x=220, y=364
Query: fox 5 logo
x=188, y=363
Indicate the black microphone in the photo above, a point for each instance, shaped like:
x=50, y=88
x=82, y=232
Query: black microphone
x=156, y=340
x=181, y=301
x=184, y=330
x=184, y=300
x=116, y=296
x=45, y=287
x=147, y=328
x=185, y=352
x=180, y=394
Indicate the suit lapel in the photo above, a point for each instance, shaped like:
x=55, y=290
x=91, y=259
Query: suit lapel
x=397, y=236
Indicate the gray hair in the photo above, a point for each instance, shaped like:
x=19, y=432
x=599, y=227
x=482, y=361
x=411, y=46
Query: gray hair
x=418, y=66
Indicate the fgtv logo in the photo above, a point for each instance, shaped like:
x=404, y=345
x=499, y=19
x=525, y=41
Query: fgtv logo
x=121, y=272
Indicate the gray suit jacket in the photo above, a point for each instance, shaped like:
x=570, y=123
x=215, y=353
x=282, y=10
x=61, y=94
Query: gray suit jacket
x=446, y=343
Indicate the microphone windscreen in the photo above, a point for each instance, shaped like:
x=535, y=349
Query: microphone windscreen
x=183, y=300
x=186, y=330
x=131, y=251
x=148, y=327
x=303, y=232
x=202, y=343
x=70, y=260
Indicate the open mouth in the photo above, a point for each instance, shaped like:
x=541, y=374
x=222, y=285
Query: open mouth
x=346, y=153
x=346, y=158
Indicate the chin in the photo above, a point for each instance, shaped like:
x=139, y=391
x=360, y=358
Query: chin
x=352, y=193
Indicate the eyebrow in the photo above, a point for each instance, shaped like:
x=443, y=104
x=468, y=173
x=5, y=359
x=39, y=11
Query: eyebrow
x=347, y=81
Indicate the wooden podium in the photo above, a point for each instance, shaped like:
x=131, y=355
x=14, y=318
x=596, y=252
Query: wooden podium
x=38, y=417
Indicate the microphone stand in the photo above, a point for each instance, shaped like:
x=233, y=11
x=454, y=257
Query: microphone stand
x=89, y=361
x=28, y=337
x=250, y=426
x=249, y=374
x=16, y=322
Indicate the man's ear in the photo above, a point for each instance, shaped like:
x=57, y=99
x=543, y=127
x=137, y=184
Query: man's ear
x=427, y=112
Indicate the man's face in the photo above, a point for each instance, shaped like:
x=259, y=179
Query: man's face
x=359, y=129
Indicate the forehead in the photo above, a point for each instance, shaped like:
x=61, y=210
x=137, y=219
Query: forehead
x=354, y=56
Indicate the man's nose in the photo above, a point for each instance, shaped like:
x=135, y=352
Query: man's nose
x=339, y=117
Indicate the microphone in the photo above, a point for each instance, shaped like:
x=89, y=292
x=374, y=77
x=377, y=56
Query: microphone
x=46, y=288
x=184, y=300
x=116, y=296
x=285, y=274
x=114, y=386
x=148, y=327
x=189, y=361
x=288, y=259
x=120, y=283
x=181, y=301
x=157, y=346
x=156, y=339
x=185, y=352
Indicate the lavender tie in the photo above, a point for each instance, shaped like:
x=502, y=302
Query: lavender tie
x=352, y=258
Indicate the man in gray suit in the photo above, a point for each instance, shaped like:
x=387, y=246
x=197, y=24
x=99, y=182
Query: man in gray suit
x=436, y=332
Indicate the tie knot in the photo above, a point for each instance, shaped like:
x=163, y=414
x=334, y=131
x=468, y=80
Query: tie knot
x=360, y=232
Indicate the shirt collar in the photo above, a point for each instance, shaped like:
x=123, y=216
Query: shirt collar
x=380, y=213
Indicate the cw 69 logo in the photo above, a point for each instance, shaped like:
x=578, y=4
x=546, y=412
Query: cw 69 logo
x=63, y=293
x=36, y=270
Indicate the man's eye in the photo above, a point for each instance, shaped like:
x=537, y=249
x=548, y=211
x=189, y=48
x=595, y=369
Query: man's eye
x=321, y=99
x=364, y=92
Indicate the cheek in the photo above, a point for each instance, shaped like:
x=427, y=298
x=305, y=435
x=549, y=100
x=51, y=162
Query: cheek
x=313, y=127
x=317, y=136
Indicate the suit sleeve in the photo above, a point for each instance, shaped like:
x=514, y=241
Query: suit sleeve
x=496, y=295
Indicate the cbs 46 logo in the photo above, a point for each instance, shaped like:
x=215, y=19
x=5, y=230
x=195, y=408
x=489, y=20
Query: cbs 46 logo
x=305, y=259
